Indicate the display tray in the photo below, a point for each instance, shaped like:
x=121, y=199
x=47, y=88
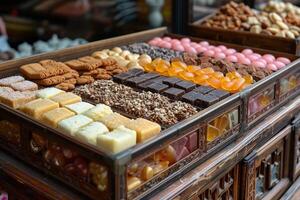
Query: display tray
x=108, y=177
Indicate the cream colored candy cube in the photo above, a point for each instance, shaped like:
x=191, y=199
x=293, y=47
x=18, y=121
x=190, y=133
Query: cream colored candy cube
x=90, y=132
x=38, y=107
x=48, y=92
x=118, y=140
x=79, y=107
x=114, y=120
x=71, y=125
x=98, y=112
x=52, y=117
x=66, y=98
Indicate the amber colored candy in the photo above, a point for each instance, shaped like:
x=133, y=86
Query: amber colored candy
x=212, y=133
x=173, y=71
x=237, y=84
x=264, y=100
x=157, y=61
x=206, y=71
x=217, y=75
x=193, y=68
x=188, y=76
x=233, y=75
x=167, y=154
x=179, y=64
x=147, y=173
x=161, y=67
x=248, y=79
x=244, y=86
x=223, y=123
x=214, y=82
x=160, y=166
x=133, y=182
x=149, y=67
x=201, y=80
x=292, y=82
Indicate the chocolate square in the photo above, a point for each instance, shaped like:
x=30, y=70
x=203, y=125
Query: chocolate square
x=171, y=81
x=173, y=93
x=185, y=85
x=121, y=78
x=191, y=97
x=159, y=79
x=134, y=81
x=136, y=72
x=203, y=89
x=144, y=85
x=157, y=87
x=207, y=100
x=149, y=75
x=221, y=94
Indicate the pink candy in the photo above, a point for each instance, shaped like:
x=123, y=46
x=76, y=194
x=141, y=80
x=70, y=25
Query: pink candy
x=191, y=50
x=201, y=49
x=178, y=47
x=222, y=47
x=247, y=52
x=258, y=64
x=167, y=39
x=284, y=60
x=232, y=58
x=272, y=67
x=253, y=57
x=217, y=50
x=209, y=53
x=245, y=61
x=185, y=40
x=204, y=44
x=220, y=55
x=229, y=51
x=279, y=64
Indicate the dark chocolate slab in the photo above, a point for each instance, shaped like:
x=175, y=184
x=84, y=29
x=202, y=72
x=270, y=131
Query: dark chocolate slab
x=207, y=100
x=136, y=72
x=174, y=93
x=121, y=78
x=203, y=89
x=220, y=94
x=171, y=81
x=185, y=85
x=157, y=87
x=191, y=97
x=134, y=81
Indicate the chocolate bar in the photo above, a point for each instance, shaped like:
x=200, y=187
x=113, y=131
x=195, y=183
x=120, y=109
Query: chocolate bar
x=134, y=81
x=135, y=72
x=171, y=81
x=121, y=78
x=205, y=101
x=203, y=89
x=185, y=85
x=173, y=93
x=157, y=87
x=220, y=94
x=191, y=97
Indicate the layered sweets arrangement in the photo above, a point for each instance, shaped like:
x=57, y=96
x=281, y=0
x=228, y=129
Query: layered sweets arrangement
x=96, y=125
x=276, y=19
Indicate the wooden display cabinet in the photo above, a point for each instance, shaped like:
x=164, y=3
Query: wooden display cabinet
x=266, y=170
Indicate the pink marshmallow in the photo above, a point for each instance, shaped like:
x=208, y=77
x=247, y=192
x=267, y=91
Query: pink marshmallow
x=166, y=45
x=204, y=43
x=269, y=58
x=209, y=53
x=253, y=57
x=220, y=55
x=191, y=50
x=153, y=43
x=201, y=49
x=247, y=51
x=262, y=60
x=185, y=40
x=272, y=67
x=245, y=61
x=232, y=58
x=217, y=50
x=239, y=55
x=279, y=64
x=283, y=60
x=178, y=47
x=212, y=47
x=167, y=39
x=257, y=55
x=258, y=64
x=229, y=51
x=222, y=47
x=175, y=40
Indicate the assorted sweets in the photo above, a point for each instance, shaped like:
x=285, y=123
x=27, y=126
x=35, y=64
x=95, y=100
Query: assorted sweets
x=148, y=105
x=232, y=81
x=246, y=57
x=84, y=70
x=174, y=88
x=239, y=17
x=97, y=125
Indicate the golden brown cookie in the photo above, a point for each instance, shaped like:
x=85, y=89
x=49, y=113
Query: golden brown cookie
x=54, y=80
x=79, y=66
x=84, y=80
x=35, y=71
x=65, y=86
x=103, y=76
x=95, y=63
x=108, y=62
x=71, y=81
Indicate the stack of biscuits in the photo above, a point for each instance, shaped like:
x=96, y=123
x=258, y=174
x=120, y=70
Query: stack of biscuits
x=66, y=75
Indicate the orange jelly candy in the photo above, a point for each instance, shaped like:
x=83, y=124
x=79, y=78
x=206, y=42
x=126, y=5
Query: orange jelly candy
x=217, y=75
x=188, y=76
x=248, y=79
x=179, y=64
x=233, y=75
x=223, y=123
x=173, y=71
x=193, y=68
x=201, y=80
x=214, y=82
x=207, y=70
x=237, y=84
x=149, y=67
x=161, y=67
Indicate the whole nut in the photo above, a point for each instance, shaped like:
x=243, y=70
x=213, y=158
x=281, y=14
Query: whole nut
x=274, y=17
x=253, y=21
x=273, y=30
x=289, y=34
x=255, y=29
x=282, y=25
x=280, y=34
x=266, y=32
x=296, y=33
x=117, y=50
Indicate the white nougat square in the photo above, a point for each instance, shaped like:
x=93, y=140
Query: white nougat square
x=48, y=92
x=118, y=140
x=90, y=132
x=71, y=125
x=98, y=112
x=79, y=107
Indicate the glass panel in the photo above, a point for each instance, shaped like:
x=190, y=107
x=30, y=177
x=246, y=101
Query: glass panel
x=274, y=173
x=259, y=185
x=222, y=124
x=10, y=131
x=289, y=83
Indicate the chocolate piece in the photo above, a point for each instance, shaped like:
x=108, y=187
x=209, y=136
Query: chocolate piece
x=171, y=81
x=191, y=97
x=120, y=78
x=203, y=89
x=157, y=87
x=221, y=94
x=149, y=75
x=207, y=100
x=173, y=93
x=134, y=81
x=159, y=79
x=185, y=85
x=144, y=85
x=135, y=72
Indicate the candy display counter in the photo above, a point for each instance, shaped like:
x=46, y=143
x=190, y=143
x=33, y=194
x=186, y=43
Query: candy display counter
x=123, y=117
